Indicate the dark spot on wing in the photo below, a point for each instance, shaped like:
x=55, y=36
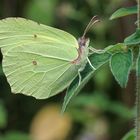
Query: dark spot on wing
x=34, y=62
x=35, y=36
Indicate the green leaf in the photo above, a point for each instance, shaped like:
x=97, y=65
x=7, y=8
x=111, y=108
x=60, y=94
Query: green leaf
x=133, y=39
x=138, y=65
x=124, y=12
x=116, y=48
x=97, y=60
x=130, y=135
x=120, y=64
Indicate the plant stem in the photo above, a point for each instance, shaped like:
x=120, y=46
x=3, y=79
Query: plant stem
x=138, y=14
x=138, y=109
x=138, y=85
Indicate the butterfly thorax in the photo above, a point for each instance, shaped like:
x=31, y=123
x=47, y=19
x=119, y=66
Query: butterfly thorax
x=83, y=51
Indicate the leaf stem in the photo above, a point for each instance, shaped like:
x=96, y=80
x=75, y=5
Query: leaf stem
x=138, y=85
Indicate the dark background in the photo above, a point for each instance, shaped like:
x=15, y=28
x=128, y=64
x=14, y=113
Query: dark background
x=102, y=110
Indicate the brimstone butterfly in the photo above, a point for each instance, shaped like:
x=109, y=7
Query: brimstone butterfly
x=40, y=60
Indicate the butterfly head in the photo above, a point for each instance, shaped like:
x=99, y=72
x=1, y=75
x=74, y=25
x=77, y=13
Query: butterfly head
x=83, y=41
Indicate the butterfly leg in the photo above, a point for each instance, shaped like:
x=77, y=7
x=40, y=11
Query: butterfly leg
x=91, y=64
x=93, y=50
x=80, y=78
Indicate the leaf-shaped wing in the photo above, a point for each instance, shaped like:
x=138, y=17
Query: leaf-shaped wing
x=37, y=58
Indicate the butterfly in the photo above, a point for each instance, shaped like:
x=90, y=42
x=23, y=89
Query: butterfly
x=40, y=60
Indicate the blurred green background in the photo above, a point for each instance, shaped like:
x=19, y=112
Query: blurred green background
x=102, y=110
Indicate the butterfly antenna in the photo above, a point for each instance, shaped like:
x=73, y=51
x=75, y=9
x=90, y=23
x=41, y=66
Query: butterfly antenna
x=93, y=21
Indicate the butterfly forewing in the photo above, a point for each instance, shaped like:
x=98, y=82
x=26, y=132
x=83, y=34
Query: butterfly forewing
x=37, y=59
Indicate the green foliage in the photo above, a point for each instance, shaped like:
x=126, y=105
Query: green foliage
x=130, y=135
x=15, y=135
x=102, y=102
x=120, y=64
x=98, y=99
x=133, y=39
x=124, y=12
x=116, y=48
x=42, y=11
x=120, y=110
x=138, y=64
x=3, y=116
x=97, y=60
x=100, y=77
x=70, y=15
